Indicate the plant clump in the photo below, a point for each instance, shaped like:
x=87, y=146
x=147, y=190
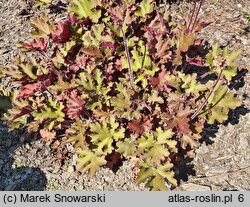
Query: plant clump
x=120, y=79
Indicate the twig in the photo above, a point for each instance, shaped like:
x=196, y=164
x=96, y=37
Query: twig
x=196, y=17
x=144, y=57
x=221, y=174
x=191, y=19
x=131, y=76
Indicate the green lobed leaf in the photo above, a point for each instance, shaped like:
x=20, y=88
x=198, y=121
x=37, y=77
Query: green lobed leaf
x=77, y=134
x=89, y=161
x=220, y=103
x=52, y=111
x=156, y=148
x=43, y=3
x=92, y=61
x=190, y=84
x=105, y=133
x=84, y=9
x=145, y=7
x=218, y=59
x=95, y=36
x=42, y=26
x=28, y=70
x=126, y=147
x=155, y=176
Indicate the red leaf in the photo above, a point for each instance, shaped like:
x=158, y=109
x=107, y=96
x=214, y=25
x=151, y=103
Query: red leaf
x=181, y=122
x=81, y=61
x=162, y=48
x=38, y=44
x=47, y=136
x=160, y=82
x=139, y=126
x=61, y=33
x=47, y=82
x=73, y=19
x=74, y=68
x=117, y=13
x=111, y=45
x=75, y=105
x=29, y=90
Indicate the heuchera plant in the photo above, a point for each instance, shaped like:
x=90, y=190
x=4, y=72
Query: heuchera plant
x=120, y=79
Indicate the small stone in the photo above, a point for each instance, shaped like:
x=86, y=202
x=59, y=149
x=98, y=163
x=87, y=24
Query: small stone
x=218, y=170
x=222, y=39
x=243, y=143
x=18, y=153
x=204, y=149
x=195, y=187
x=33, y=151
x=66, y=175
x=244, y=41
x=3, y=51
x=70, y=169
x=56, y=169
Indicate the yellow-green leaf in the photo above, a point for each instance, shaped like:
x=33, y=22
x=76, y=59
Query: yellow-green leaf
x=42, y=26
x=84, y=9
x=146, y=7
x=89, y=161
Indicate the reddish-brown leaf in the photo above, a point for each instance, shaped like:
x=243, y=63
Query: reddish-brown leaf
x=139, y=126
x=75, y=105
x=160, y=82
x=117, y=13
x=37, y=44
x=181, y=121
x=81, y=61
x=47, y=135
x=162, y=48
x=61, y=33
x=92, y=51
x=74, y=68
x=29, y=90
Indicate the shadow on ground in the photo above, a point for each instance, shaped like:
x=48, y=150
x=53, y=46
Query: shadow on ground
x=16, y=178
x=183, y=164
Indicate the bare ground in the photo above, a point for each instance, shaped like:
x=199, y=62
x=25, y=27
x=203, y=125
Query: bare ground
x=221, y=163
